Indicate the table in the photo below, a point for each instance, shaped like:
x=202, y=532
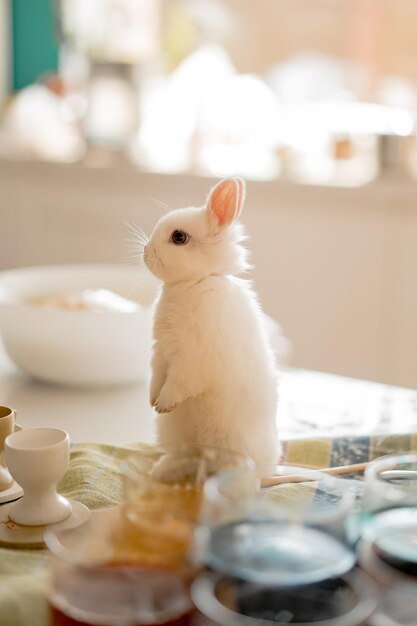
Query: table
x=310, y=404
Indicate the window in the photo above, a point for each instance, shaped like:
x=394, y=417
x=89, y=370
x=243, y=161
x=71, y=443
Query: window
x=318, y=91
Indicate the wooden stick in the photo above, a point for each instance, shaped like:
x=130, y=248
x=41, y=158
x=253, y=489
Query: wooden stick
x=301, y=478
x=357, y=468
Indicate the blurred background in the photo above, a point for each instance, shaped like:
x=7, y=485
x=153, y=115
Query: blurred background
x=105, y=104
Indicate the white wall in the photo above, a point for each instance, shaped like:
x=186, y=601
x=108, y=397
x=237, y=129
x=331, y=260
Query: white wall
x=337, y=267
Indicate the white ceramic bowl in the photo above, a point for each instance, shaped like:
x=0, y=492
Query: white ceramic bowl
x=77, y=347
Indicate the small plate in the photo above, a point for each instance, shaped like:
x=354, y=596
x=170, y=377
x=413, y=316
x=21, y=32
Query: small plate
x=11, y=493
x=14, y=535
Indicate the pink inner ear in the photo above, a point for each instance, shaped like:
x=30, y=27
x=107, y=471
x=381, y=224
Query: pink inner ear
x=224, y=201
x=241, y=196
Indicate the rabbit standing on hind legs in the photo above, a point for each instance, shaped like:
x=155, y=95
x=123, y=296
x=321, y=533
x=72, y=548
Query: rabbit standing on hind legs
x=214, y=378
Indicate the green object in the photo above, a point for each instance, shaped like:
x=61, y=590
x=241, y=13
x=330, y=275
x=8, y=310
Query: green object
x=35, y=50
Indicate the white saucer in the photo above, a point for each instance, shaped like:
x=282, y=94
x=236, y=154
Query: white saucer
x=14, y=535
x=11, y=493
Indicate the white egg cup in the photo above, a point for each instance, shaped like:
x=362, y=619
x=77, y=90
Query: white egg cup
x=7, y=419
x=9, y=489
x=37, y=458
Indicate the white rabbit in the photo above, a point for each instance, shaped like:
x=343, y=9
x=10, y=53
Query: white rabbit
x=214, y=378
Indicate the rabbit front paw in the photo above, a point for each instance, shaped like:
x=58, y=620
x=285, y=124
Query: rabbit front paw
x=164, y=404
x=168, y=400
x=154, y=394
x=164, y=409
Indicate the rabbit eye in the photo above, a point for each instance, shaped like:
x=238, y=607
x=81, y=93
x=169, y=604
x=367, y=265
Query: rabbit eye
x=179, y=237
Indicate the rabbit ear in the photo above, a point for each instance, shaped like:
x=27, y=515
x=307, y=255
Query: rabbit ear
x=225, y=201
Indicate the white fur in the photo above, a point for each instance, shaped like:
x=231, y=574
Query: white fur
x=213, y=371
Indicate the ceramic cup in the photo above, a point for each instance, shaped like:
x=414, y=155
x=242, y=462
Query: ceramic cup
x=7, y=425
x=37, y=458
